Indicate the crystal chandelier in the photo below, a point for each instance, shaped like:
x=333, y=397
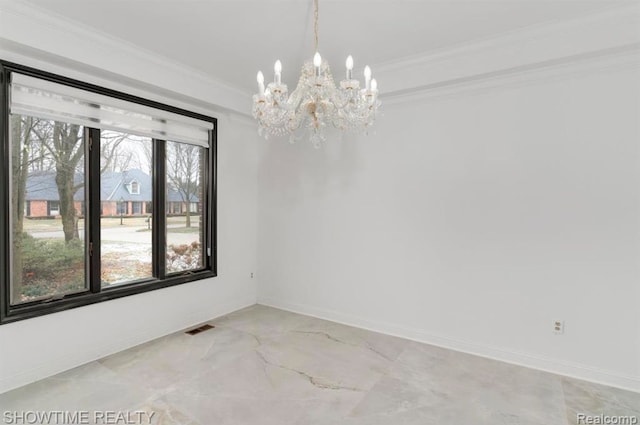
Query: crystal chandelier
x=316, y=102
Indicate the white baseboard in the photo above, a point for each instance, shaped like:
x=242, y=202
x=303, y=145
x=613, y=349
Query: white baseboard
x=52, y=366
x=546, y=364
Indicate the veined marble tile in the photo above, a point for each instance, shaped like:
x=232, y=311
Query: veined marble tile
x=419, y=416
x=593, y=400
x=262, y=322
x=237, y=411
x=385, y=346
x=253, y=376
x=455, y=383
x=265, y=366
x=91, y=387
x=334, y=408
x=163, y=362
x=245, y=377
x=329, y=361
x=162, y=413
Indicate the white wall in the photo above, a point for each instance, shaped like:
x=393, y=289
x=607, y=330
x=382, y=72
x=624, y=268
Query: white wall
x=472, y=219
x=35, y=348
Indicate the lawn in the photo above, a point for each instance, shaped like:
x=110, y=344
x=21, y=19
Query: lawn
x=175, y=224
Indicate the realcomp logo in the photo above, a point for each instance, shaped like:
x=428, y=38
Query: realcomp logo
x=606, y=420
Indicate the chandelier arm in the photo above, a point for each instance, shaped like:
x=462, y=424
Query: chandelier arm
x=337, y=99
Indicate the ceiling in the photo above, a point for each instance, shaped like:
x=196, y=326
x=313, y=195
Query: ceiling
x=231, y=40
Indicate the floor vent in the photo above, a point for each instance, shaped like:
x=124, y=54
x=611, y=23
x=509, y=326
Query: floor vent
x=199, y=329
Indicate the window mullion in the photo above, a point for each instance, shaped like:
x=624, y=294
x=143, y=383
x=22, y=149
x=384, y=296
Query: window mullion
x=5, y=195
x=159, y=235
x=93, y=208
x=211, y=176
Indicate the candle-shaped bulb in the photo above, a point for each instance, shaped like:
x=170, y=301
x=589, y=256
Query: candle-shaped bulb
x=349, y=67
x=374, y=85
x=317, y=61
x=349, y=62
x=278, y=71
x=260, y=79
x=367, y=77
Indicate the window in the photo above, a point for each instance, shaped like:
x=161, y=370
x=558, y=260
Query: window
x=47, y=256
x=129, y=163
x=124, y=186
x=174, y=207
x=54, y=206
x=184, y=231
x=134, y=188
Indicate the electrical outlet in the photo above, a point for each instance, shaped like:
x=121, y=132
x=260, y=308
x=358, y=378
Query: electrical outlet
x=558, y=327
x=251, y=275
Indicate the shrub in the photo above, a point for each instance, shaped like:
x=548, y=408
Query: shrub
x=48, y=258
x=183, y=257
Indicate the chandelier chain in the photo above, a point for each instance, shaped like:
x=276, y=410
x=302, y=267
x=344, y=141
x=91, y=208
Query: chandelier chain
x=315, y=22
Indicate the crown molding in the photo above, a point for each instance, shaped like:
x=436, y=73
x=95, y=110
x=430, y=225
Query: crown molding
x=38, y=38
x=594, y=36
x=608, y=60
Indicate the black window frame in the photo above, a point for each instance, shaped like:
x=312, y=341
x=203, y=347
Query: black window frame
x=94, y=293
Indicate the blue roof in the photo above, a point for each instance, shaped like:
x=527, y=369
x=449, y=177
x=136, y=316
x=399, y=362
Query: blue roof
x=41, y=186
x=114, y=186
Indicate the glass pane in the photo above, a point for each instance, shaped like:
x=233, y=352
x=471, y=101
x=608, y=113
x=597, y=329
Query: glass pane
x=47, y=209
x=185, y=205
x=126, y=189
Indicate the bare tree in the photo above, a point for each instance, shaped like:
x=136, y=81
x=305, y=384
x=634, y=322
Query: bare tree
x=112, y=156
x=183, y=173
x=147, y=154
x=39, y=158
x=67, y=149
x=64, y=142
x=21, y=132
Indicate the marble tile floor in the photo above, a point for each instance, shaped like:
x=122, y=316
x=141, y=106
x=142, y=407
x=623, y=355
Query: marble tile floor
x=263, y=366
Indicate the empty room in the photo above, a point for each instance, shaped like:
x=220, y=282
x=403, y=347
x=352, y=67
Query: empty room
x=320, y=212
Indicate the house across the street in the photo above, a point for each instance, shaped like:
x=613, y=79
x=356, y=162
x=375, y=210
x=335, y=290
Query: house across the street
x=125, y=193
